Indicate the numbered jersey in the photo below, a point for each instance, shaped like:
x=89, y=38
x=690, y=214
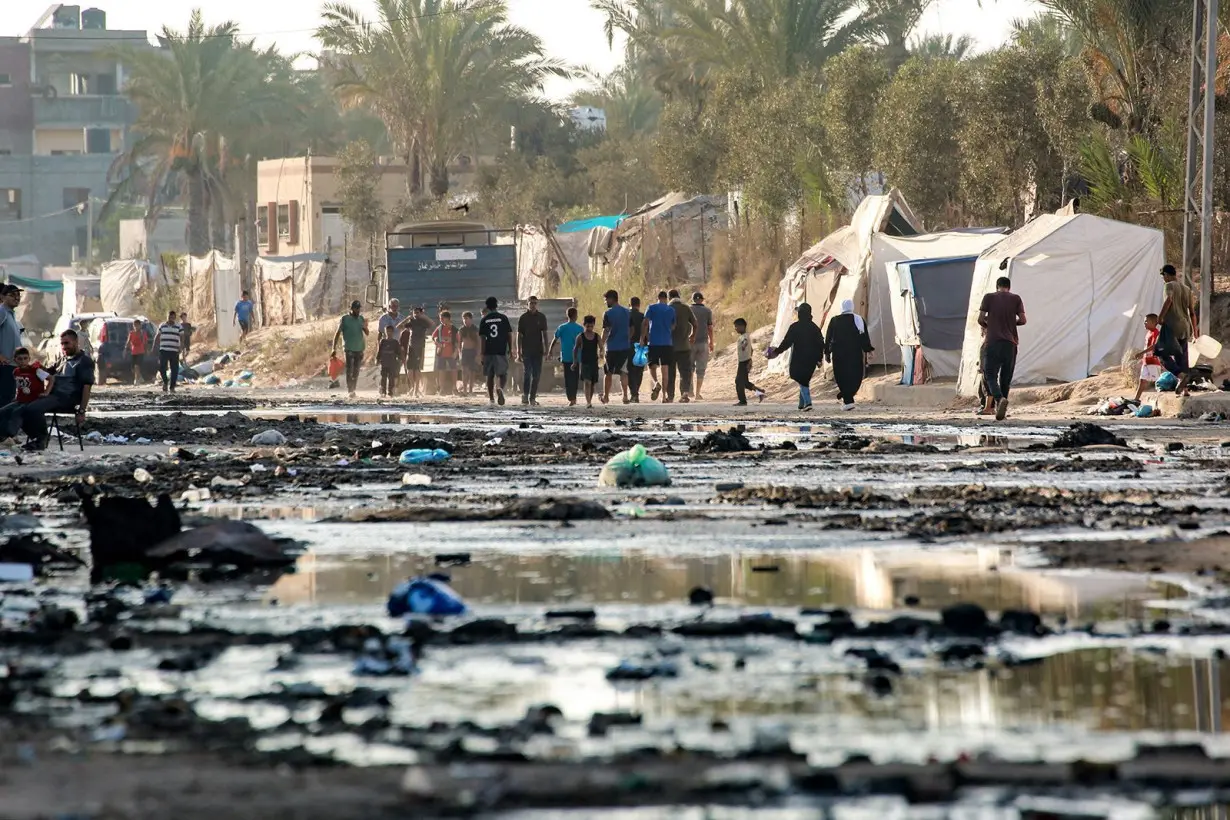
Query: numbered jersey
x=495, y=330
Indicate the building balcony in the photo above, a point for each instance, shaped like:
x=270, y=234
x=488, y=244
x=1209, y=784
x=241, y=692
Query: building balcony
x=82, y=112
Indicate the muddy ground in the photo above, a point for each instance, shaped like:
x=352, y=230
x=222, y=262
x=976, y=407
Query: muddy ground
x=808, y=596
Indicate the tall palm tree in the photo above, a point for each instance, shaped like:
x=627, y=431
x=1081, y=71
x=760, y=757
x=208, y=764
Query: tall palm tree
x=942, y=47
x=769, y=39
x=432, y=70
x=201, y=99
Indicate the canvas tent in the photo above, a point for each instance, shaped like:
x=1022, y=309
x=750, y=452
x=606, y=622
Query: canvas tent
x=209, y=290
x=929, y=300
x=1086, y=283
x=122, y=282
x=304, y=287
x=671, y=238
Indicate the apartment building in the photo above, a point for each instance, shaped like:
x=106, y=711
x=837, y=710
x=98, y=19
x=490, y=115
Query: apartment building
x=63, y=121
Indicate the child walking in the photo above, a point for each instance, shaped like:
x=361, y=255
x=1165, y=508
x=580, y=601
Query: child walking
x=808, y=344
x=447, y=342
x=389, y=355
x=469, y=353
x=743, y=380
x=1150, y=364
x=585, y=355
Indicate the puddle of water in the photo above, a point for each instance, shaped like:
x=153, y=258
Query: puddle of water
x=861, y=579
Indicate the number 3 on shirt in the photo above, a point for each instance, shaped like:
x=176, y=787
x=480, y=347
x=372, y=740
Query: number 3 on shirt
x=495, y=330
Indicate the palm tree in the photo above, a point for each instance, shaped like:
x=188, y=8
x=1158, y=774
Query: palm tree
x=432, y=70
x=942, y=47
x=769, y=39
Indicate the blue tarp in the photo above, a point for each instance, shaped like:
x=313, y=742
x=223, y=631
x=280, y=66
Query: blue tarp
x=40, y=285
x=575, y=225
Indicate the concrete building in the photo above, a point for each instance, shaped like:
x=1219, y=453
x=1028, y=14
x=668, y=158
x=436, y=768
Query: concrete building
x=63, y=121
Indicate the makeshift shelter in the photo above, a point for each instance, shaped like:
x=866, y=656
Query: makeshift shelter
x=671, y=238
x=1086, y=282
x=929, y=304
x=209, y=289
x=41, y=305
x=304, y=287
x=82, y=293
x=123, y=282
x=548, y=258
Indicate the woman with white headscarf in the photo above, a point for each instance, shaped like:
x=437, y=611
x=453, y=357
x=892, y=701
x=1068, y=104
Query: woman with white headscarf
x=846, y=346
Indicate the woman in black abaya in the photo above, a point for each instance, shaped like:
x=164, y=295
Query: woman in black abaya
x=846, y=346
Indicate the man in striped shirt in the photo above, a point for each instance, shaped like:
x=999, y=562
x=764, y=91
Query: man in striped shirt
x=168, y=343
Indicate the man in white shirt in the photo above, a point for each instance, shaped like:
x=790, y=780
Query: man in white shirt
x=168, y=343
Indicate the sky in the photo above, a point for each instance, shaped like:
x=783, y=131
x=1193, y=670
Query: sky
x=570, y=29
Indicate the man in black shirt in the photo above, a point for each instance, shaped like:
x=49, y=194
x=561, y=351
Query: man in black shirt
x=532, y=338
x=420, y=328
x=636, y=323
x=496, y=333
x=67, y=392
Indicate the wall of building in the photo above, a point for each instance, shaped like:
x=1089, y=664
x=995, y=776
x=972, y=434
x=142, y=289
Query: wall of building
x=170, y=236
x=16, y=106
x=47, y=184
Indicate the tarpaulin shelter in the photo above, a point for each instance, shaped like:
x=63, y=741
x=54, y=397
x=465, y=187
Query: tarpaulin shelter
x=1086, y=282
x=41, y=305
x=929, y=301
x=209, y=289
x=82, y=293
x=305, y=287
x=671, y=238
x=547, y=259
x=122, y=284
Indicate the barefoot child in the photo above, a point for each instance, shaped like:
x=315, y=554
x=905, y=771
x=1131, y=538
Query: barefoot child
x=1150, y=364
x=743, y=381
x=469, y=352
x=585, y=356
x=447, y=343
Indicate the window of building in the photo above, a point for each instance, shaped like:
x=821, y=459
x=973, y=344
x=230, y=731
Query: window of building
x=10, y=203
x=262, y=225
x=79, y=84
x=284, y=220
x=83, y=241
x=330, y=209
x=98, y=140
x=105, y=84
x=75, y=196
x=5, y=80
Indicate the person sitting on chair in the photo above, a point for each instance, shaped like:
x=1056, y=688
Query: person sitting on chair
x=68, y=391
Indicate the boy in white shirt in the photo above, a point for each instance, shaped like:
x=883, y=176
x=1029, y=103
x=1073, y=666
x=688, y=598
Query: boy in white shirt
x=743, y=381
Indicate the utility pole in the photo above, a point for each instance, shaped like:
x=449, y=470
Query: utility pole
x=1198, y=192
x=89, y=234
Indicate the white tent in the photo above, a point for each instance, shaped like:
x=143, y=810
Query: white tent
x=839, y=267
x=1086, y=283
x=122, y=283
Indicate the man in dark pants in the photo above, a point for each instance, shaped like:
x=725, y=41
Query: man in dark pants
x=68, y=392
x=682, y=337
x=636, y=373
x=352, y=331
x=168, y=341
x=1175, y=318
x=10, y=340
x=532, y=344
x=1001, y=313
x=657, y=334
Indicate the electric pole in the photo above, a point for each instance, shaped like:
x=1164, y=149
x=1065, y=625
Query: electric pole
x=1198, y=191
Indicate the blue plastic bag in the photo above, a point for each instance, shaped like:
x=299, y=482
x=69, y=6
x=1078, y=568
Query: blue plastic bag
x=423, y=456
x=1144, y=411
x=640, y=355
x=1167, y=382
x=425, y=596
x=634, y=468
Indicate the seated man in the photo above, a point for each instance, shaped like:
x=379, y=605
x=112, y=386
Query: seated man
x=68, y=391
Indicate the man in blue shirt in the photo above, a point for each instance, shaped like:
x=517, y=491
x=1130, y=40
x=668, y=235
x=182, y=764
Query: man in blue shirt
x=617, y=339
x=243, y=314
x=566, y=335
x=10, y=340
x=659, y=325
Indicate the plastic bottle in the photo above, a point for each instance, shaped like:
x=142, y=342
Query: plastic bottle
x=423, y=456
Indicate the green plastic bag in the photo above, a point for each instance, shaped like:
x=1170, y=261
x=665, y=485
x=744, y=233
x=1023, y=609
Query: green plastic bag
x=634, y=468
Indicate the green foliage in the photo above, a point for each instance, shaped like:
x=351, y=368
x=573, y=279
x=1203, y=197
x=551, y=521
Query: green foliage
x=434, y=71
x=853, y=83
x=915, y=136
x=358, y=188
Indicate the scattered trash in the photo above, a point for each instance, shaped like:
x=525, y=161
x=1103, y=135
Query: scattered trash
x=205, y=431
x=494, y=442
x=246, y=376
x=1113, y=406
x=193, y=495
x=94, y=437
x=1167, y=382
x=424, y=596
x=142, y=475
x=113, y=438
x=415, y=480
x=1084, y=434
x=1146, y=411
x=219, y=481
x=423, y=456
x=159, y=595
x=453, y=559
x=386, y=656
x=1213, y=416
x=142, y=441
x=634, y=468
x=700, y=596
x=268, y=438
x=212, y=379
x=633, y=671
x=733, y=440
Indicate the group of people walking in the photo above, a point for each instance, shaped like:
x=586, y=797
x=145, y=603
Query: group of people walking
x=845, y=347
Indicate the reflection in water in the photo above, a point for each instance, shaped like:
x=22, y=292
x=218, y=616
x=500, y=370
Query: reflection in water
x=855, y=578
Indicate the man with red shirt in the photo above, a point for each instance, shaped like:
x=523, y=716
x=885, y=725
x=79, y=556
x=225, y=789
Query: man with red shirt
x=138, y=345
x=1150, y=364
x=1001, y=313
